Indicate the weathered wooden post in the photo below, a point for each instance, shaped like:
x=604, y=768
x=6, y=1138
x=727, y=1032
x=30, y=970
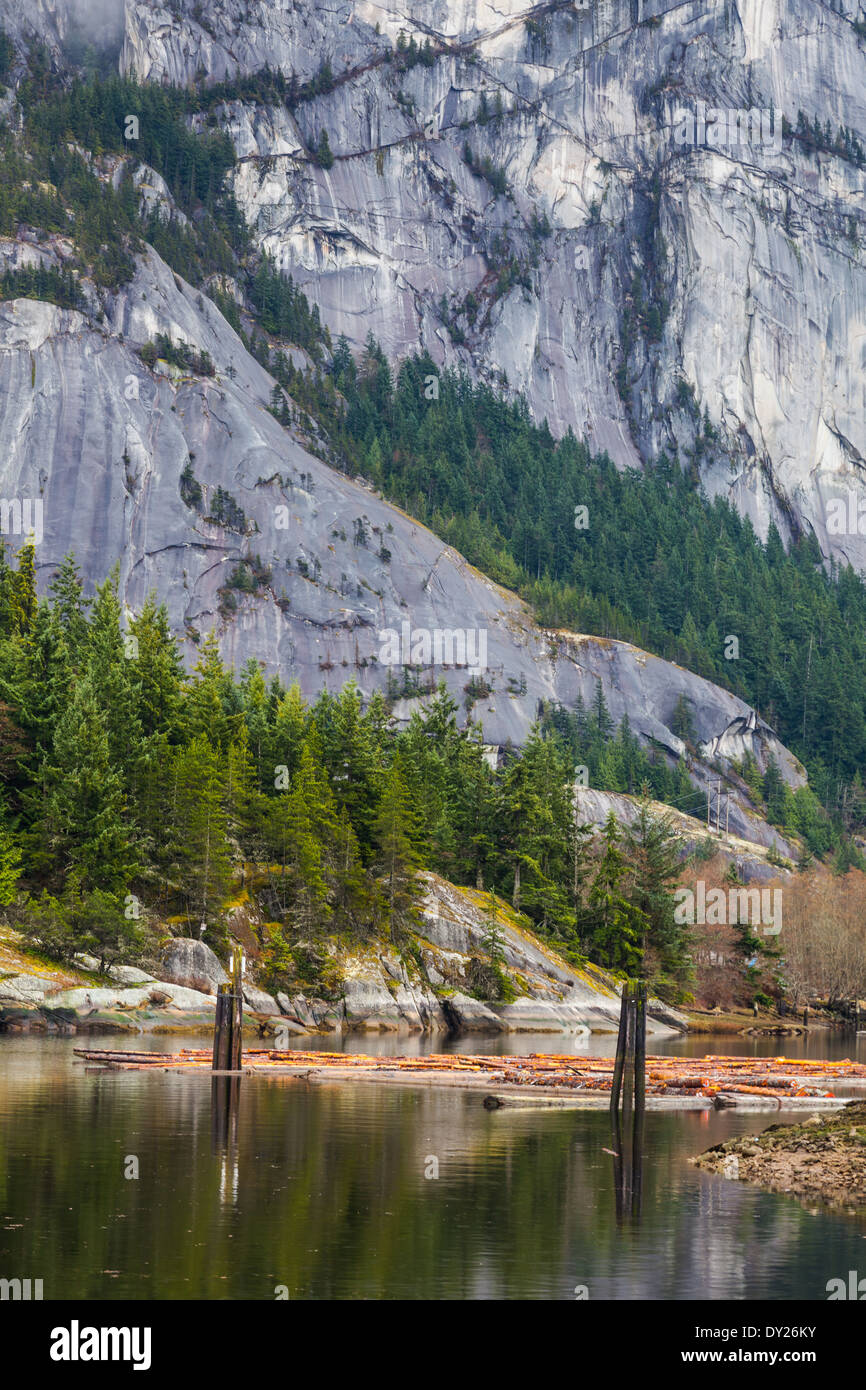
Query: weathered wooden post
x=628, y=1065
x=629, y=1082
x=640, y=1044
x=640, y=1006
x=622, y=1036
x=619, y=1176
x=236, y=1052
x=222, y=1029
x=229, y=1019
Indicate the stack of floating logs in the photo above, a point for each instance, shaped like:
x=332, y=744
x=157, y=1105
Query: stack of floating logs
x=708, y=1077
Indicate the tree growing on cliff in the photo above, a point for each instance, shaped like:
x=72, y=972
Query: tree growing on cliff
x=323, y=156
x=200, y=856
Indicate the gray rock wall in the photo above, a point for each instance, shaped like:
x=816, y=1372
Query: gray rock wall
x=102, y=442
x=761, y=264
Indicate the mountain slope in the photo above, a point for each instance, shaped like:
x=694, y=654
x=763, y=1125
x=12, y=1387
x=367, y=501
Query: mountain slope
x=629, y=283
x=182, y=473
x=113, y=440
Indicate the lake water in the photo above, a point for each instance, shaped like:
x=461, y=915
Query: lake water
x=324, y=1190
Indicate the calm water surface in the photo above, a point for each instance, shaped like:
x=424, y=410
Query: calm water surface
x=324, y=1190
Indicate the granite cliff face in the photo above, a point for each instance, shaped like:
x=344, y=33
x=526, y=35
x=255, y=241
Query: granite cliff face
x=647, y=292
x=104, y=442
x=640, y=275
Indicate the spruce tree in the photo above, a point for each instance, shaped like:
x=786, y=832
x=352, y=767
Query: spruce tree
x=324, y=157
x=69, y=604
x=85, y=827
x=300, y=825
x=156, y=673
x=653, y=850
x=22, y=591
x=110, y=674
x=396, y=859
x=198, y=828
x=212, y=707
x=613, y=927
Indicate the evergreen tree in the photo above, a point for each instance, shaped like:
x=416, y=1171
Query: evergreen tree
x=349, y=753
x=357, y=902
x=602, y=724
x=99, y=925
x=211, y=702
x=290, y=728
x=653, y=851
x=301, y=823
x=110, y=673
x=198, y=829
x=10, y=865
x=396, y=839
x=85, y=829
x=538, y=832
x=244, y=806
x=613, y=927
x=70, y=606
x=324, y=157
x=156, y=674
x=22, y=599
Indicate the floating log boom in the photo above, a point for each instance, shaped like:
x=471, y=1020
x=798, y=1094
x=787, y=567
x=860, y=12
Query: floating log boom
x=793, y=1082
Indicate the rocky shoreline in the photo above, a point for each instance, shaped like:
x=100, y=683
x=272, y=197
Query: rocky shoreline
x=426, y=990
x=820, y=1161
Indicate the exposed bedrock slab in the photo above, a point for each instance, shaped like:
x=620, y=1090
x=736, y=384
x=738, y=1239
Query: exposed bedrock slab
x=102, y=442
x=759, y=252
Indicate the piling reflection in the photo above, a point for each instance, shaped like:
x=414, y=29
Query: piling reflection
x=225, y=1105
x=629, y=1083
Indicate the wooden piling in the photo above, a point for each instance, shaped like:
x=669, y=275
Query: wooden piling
x=616, y=1085
x=222, y=1029
x=640, y=1004
x=628, y=1066
x=640, y=1008
x=229, y=1021
x=629, y=1083
x=237, y=1031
